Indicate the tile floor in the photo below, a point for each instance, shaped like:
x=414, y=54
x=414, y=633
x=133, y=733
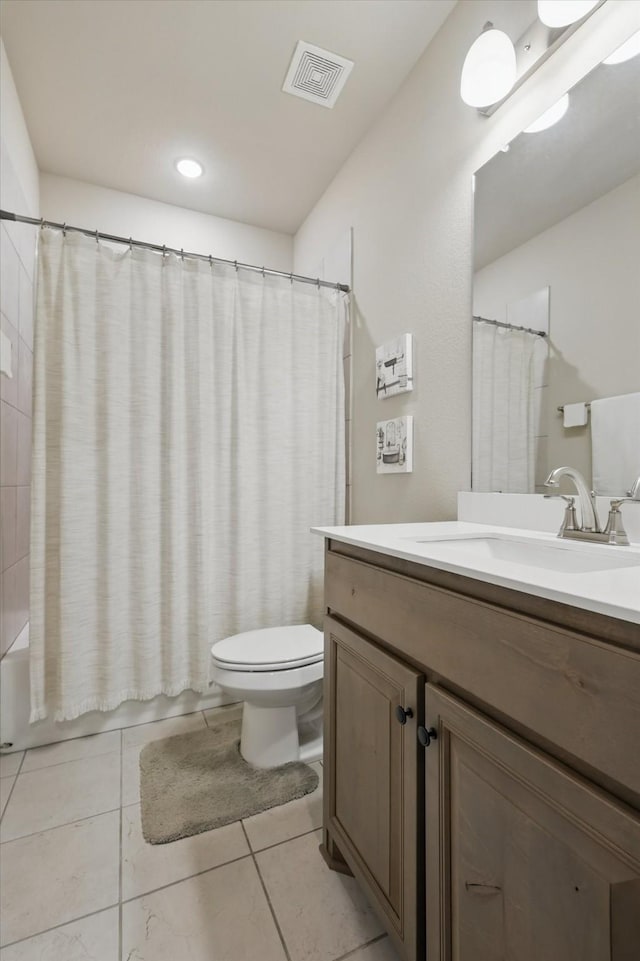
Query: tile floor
x=79, y=883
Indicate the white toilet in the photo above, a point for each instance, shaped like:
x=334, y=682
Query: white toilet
x=277, y=672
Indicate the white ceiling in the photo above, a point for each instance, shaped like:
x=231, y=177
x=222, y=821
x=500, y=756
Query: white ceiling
x=114, y=91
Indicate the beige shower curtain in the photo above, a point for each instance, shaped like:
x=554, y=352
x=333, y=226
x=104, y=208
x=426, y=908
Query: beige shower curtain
x=503, y=455
x=188, y=431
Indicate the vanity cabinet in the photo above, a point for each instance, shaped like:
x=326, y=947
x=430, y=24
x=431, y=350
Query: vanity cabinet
x=531, y=861
x=373, y=774
x=512, y=832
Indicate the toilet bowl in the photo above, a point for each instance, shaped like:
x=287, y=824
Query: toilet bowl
x=277, y=672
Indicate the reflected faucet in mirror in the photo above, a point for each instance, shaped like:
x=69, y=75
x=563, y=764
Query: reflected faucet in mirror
x=589, y=528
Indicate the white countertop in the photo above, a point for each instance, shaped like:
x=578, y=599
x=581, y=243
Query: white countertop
x=614, y=592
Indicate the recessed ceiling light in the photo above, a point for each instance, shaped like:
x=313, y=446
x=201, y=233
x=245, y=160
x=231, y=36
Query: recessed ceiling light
x=189, y=168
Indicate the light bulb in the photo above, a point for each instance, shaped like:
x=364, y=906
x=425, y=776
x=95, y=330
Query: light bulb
x=630, y=48
x=550, y=116
x=189, y=168
x=560, y=13
x=489, y=69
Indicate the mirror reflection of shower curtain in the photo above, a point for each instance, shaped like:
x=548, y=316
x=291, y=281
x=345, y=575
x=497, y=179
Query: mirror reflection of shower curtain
x=503, y=416
x=188, y=431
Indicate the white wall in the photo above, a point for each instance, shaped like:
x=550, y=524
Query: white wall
x=590, y=261
x=112, y=211
x=18, y=193
x=406, y=192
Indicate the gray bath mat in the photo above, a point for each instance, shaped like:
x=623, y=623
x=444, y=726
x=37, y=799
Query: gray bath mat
x=198, y=781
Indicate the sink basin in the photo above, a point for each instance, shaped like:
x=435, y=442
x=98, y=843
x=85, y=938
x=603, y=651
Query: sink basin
x=551, y=557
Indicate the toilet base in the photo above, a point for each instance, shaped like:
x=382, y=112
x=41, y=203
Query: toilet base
x=310, y=740
x=274, y=735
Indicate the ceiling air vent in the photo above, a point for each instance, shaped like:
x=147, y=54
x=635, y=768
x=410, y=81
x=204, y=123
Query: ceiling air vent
x=317, y=75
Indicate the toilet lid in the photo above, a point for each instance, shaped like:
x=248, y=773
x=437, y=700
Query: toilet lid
x=270, y=649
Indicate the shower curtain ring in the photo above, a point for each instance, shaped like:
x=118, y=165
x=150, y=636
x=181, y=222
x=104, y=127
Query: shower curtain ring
x=263, y=273
x=181, y=254
x=41, y=223
x=130, y=245
x=235, y=264
x=164, y=251
x=210, y=261
x=318, y=282
x=291, y=277
x=97, y=237
x=64, y=229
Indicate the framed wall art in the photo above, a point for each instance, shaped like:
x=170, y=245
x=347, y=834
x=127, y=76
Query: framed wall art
x=394, y=450
x=394, y=366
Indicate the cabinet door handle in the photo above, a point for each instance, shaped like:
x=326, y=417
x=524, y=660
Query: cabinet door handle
x=402, y=713
x=426, y=736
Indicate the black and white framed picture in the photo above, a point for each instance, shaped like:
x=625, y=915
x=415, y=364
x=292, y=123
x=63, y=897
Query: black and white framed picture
x=394, y=452
x=394, y=366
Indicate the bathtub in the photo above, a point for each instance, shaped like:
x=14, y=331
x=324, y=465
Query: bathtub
x=16, y=734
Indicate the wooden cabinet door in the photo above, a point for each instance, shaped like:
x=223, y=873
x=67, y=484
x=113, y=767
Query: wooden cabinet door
x=533, y=863
x=371, y=779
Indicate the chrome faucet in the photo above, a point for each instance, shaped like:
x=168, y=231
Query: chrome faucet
x=589, y=529
x=589, y=516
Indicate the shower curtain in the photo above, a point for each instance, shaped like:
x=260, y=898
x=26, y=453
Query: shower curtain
x=503, y=417
x=188, y=431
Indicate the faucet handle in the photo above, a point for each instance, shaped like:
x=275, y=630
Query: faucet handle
x=614, y=530
x=570, y=520
x=633, y=493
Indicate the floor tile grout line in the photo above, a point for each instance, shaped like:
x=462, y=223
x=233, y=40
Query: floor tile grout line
x=56, y=827
x=13, y=787
x=353, y=952
x=266, y=894
x=276, y=844
x=215, y=867
x=120, y=859
x=250, y=854
x=198, y=874
x=72, y=760
x=63, y=924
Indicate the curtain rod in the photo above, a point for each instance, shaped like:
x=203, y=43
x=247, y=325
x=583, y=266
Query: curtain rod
x=5, y=215
x=499, y=323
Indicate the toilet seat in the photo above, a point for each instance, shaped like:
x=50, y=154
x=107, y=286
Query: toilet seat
x=270, y=649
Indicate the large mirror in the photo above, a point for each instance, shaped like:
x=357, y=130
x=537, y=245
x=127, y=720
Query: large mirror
x=556, y=295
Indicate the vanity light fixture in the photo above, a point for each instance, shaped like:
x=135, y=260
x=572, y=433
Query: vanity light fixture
x=630, y=48
x=550, y=116
x=495, y=67
x=489, y=69
x=560, y=13
x=189, y=168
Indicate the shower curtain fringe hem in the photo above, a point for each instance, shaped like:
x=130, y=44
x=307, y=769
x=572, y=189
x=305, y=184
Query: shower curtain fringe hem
x=110, y=704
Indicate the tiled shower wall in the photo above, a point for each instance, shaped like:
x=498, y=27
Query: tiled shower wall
x=17, y=263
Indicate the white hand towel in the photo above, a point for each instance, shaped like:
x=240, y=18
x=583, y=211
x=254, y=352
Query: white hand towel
x=615, y=443
x=575, y=415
